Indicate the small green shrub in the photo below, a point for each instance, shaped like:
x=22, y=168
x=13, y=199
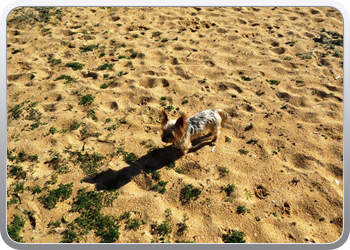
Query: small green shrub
x=75, y=65
x=60, y=194
x=189, y=193
x=15, y=227
x=164, y=229
x=86, y=100
x=108, y=66
x=235, y=236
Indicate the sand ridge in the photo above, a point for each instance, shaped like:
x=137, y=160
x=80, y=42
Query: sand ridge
x=277, y=71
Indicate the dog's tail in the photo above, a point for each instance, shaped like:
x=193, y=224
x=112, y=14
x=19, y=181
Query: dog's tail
x=224, y=116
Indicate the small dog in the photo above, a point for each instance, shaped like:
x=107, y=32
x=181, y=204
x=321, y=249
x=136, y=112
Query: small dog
x=182, y=131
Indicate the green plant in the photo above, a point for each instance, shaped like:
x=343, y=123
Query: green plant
x=53, y=130
x=189, y=193
x=66, y=77
x=75, y=65
x=230, y=188
x=235, y=236
x=89, y=162
x=86, y=100
x=245, y=78
x=273, y=82
x=104, y=86
x=89, y=47
x=241, y=209
x=54, y=62
x=227, y=139
x=160, y=186
x=60, y=194
x=15, y=227
x=121, y=73
x=243, y=151
x=165, y=228
x=17, y=51
x=89, y=205
x=108, y=66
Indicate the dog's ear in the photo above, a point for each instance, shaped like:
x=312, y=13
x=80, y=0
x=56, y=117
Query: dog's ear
x=181, y=122
x=165, y=117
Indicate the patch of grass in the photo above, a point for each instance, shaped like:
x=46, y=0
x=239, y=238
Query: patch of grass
x=104, y=86
x=86, y=100
x=89, y=162
x=66, y=77
x=165, y=228
x=235, y=236
x=184, y=101
x=89, y=47
x=273, y=82
x=91, y=113
x=304, y=55
x=121, y=73
x=153, y=172
x=189, y=193
x=54, y=62
x=89, y=205
x=230, y=188
x=60, y=194
x=75, y=65
x=15, y=227
x=243, y=151
x=108, y=66
x=227, y=139
x=53, y=130
x=223, y=171
x=160, y=186
x=246, y=78
x=16, y=51
x=17, y=172
x=241, y=209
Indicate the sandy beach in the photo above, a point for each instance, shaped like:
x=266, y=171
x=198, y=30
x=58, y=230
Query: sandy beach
x=85, y=159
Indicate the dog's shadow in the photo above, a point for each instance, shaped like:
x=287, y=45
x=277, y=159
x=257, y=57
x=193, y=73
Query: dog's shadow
x=115, y=179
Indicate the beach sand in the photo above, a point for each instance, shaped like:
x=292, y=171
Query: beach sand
x=277, y=71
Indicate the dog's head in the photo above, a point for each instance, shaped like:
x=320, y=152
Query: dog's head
x=173, y=129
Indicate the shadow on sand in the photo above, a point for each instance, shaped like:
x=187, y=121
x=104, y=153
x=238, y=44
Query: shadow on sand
x=112, y=179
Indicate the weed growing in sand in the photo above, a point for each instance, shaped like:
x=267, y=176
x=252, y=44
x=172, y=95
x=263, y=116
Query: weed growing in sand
x=54, y=62
x=223, y=171
x=229, y=189
x=75, y=125
x=89, y=205
x=90, y=47
x=227, y=139
x=235, y=236
x=104, y=86
x=121, y=73
x=75, y=65
x=108, y=66
x=86, y=100
x=170, y=165
x=54, y=224
x=304, y=55
x=15, y=227
x=254, y=141
x=153, y=172
x=291, y=43
x=16, y=51
x=53, y=130
x=273, y=82
x=68, y=79
x=164, y=229
x=241, y=209
x=189, y=193
x=246, y=78
x=60, y=194
x=89, y=162
x=91, y=113
x=160, y=186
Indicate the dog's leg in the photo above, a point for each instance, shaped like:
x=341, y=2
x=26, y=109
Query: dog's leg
x=216, y=132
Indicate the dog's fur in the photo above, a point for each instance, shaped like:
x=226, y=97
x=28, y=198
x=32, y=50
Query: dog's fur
x=182, y=131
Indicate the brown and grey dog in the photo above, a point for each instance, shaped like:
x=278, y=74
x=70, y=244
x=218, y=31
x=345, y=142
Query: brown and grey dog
x=183, y=130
